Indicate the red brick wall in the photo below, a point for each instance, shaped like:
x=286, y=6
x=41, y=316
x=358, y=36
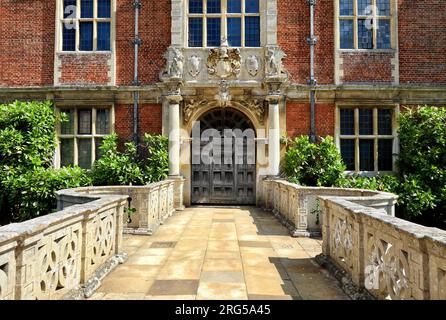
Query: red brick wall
x=150, y=120
x=422, y=41
x=367, y=67
x=26, y=42
x=85, y=69
x=155, y=27
x=298, y=119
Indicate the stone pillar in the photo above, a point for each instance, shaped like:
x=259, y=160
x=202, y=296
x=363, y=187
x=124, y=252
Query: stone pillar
x=174, y=134
x=274, y=135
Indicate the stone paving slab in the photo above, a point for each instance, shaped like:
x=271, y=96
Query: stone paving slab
x=222, y=254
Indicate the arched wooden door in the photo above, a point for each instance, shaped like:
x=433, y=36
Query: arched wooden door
x=232, y=181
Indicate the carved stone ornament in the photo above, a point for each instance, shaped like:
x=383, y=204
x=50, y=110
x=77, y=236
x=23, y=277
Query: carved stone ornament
x=190, y=107
x=256, y=106
x=274, y=65
x=253, y=65
x=194, y=65
x=174, y=63
x=224, y=62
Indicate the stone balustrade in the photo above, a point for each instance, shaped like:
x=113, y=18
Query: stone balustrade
x=63, y=254
x=379, y=255
x=154, y=203
x=299, y=209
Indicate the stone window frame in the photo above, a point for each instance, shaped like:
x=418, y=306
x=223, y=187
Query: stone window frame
x=60, y=22
x=76, y=136
x=179, y=24
x=223, y=15
x=393, y=26
x=375, y=136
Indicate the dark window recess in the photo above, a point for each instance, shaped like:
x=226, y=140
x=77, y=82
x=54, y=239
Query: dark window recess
x=66, y=152
x=195, y=32
x=365, y=121
x=69, y=37
x=86, y=36
x=103, y=36
x=385, y=122
x=84, y=153
x=234, y=32
x=252, y=31
x=98, y=152
x=86, y=8
x=104, y=8
x=252, y=6
x=69, y=7
x=66, y=127
x=347, y=40
x=383, y=7
x=102, y=121
x=195, y=6
x=346, y=7
x=364, y=7
x=213, y=6
x=348, y=153
x=365, y=34
x=84, y=119
x=234, y=6
x=366, y=155
x=347, y=122
x=214, y=32
x=385, y=155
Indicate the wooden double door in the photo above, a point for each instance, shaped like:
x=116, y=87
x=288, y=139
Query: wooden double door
x=232, y=179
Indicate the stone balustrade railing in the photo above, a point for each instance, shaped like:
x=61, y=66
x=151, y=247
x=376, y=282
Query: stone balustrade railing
x=62, y=254
x=374, y=254
x=154, y=203
x=299, y=209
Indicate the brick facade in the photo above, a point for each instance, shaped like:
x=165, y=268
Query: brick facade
x=298, y=119
x=84, y=69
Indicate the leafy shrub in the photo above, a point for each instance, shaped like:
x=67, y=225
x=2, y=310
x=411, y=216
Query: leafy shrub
x=27, y=180
x=156, y=158
x=32, y=193
x=386, y=183
x=311, y=164
x=114, y=167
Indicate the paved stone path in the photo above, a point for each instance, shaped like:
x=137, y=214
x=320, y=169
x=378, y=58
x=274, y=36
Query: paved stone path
x=220, y=253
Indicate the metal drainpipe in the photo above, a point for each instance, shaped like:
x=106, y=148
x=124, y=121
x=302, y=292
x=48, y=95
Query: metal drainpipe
x=137, y=42
x=312, y=40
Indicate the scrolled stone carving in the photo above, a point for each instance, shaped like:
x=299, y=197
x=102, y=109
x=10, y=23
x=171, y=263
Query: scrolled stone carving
x=274, y=65
x=194, y=65
x=224, y=62
x=253, y=65
x=174, y=63
x=190, y=108
x=255, y=106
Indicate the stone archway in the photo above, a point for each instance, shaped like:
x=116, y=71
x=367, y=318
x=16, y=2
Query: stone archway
x=223, y=169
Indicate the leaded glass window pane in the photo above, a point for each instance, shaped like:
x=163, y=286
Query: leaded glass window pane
x=84, y=153
x=234, y=32
x=84, y=119
x=252, y=6
x=213, y=6
x=69, y=37
x=67, y=127
x=103, y=36
x=366, y=155
x=213, y=32
x=104, y=8
x=348, y=153
x=383, y=7
x=365, y=121
x=347, y=121
x=365, y=34
x=385, y=157
x=69, y=9
x=102, y=121
x=383, y=34
x=66, y=152
x=86, y=8
x=365, y=7
x=347, y=40
x=98, y=143
x=234, y=6
x=252, y=31
x=86, y=36
x=346, y=7
x=385, y=122
x=195, y=32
